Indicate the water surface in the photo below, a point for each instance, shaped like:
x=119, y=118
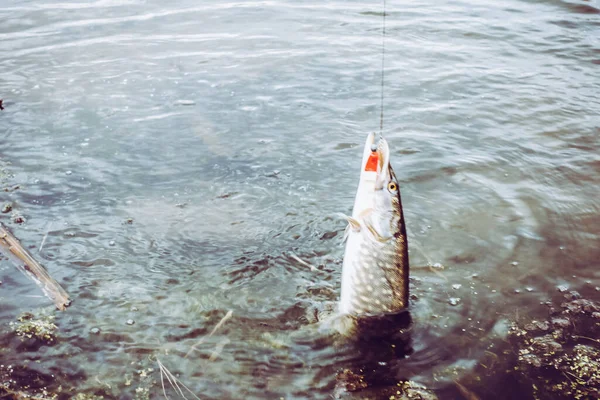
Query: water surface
x=231, y=133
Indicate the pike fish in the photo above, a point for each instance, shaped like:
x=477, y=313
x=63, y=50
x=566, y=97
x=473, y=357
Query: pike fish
x=375, y=267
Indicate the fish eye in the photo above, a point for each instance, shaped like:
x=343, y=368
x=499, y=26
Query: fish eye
x=392, y=186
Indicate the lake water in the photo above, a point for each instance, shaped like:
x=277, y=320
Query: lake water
x=232, y=132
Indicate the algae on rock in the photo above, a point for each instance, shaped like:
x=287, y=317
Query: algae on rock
x=29, y=326
x=560, y=358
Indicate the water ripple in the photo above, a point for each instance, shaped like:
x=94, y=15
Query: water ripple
x=181, y=161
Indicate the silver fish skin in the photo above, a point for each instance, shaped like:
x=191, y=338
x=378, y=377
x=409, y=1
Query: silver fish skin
x=375, y=268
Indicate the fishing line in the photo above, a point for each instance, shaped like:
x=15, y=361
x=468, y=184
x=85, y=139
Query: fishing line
x=376, y=142
x=382, y=70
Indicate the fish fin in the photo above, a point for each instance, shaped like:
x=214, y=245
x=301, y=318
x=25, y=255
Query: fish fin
x=346, y=233
x=353, y=223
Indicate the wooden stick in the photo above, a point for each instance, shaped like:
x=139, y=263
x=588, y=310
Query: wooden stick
x=32, y=269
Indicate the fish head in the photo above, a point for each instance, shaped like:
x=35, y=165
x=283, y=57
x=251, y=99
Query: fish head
x=378, y=189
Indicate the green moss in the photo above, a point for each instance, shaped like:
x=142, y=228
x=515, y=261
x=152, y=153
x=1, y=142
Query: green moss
x=42, y=327
x=409, y=390
x=561, y=355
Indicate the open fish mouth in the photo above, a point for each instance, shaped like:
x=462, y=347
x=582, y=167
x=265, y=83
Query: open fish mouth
x=375, y=171
x=376, y=155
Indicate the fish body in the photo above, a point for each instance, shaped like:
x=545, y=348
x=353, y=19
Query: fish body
x=375, y=268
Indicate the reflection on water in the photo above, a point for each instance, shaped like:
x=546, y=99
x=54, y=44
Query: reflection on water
x=227, y=134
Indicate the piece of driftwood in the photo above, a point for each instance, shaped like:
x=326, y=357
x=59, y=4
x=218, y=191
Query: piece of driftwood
x=31, y=268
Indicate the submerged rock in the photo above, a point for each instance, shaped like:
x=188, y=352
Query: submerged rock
x=560, y=358
x=7, y=207
x=349, y=381
x=20, y=382
x=410, y=390
x=18, y=218
x=86, y=396
x=40, y=328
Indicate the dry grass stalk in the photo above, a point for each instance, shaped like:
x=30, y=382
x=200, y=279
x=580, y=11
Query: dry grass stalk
x=173, y=381
x=216, y=328
x=301, y=261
